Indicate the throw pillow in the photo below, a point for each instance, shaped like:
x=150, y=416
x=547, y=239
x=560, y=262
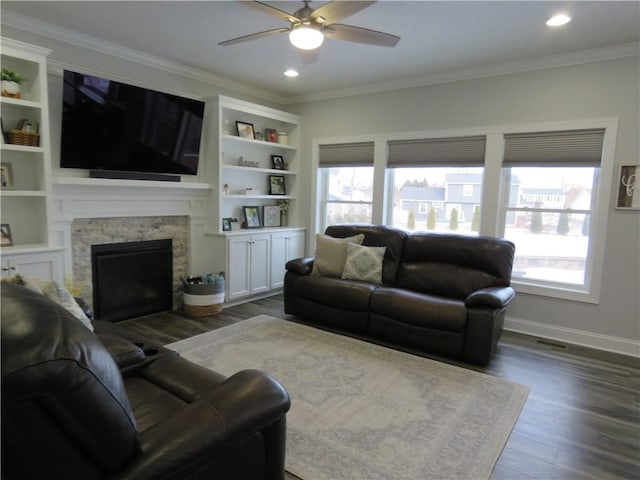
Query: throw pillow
x=59, y=294
x=24, y=281
x=331, y=254
x=364, y=263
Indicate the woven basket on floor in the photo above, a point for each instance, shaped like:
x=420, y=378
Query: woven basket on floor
x=203, y=299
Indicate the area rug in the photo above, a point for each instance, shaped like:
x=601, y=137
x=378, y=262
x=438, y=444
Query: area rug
x=360, y=411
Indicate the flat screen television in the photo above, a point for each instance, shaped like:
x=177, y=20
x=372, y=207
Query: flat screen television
x=108, y=125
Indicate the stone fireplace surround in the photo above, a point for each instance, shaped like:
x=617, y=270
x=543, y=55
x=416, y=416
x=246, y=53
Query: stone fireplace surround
x=95, y=231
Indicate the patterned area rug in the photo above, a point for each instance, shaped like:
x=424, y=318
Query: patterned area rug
x=364, y=412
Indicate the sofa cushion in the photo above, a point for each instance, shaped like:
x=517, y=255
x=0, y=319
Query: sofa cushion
x=364, y=263
x=331, y=253
x=334, y=292
x=377, y=236
x=421, y=310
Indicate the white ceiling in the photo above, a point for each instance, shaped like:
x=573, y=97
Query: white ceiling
x=439, y=40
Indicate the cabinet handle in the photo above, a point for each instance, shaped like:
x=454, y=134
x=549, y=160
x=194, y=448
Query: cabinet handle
x=5, y=269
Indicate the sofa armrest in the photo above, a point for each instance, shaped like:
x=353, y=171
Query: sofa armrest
x=492, y=297
x=246, y=403
x=301, y=266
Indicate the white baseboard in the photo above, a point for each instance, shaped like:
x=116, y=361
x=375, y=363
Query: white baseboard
x=598, y=341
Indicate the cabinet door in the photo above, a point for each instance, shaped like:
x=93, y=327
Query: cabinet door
x=260, y=264
x=47, y=266
x=238, y=271
x=285, y=246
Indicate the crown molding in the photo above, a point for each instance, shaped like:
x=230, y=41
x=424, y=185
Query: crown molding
x=485, y=71
x=72, y=37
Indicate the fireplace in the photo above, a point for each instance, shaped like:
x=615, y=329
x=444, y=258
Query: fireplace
x=132, y=279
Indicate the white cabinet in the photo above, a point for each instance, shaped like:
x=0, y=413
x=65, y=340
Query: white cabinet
x=285, y=246
x=247, y=164
x=25, y=156
x=247, y=265
x=46, y=265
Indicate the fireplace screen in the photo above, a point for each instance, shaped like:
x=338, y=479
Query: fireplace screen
x=132, y=279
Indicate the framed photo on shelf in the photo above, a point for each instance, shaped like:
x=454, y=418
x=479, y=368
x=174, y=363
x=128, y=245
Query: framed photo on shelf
x=226, y=224
x=6, y=177
x=271, y=135
x=277, y=162
x=245, y=130
x=5, y=234
x=252, y=217
x=271, y=215
x=276, y=185
x=628, y=188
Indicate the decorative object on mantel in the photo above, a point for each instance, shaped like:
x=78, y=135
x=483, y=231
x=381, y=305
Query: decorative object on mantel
x=11, y=82
x=629, y=188
x=283, y=205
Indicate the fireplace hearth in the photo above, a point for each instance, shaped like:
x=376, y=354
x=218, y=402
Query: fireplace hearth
x=131, y=279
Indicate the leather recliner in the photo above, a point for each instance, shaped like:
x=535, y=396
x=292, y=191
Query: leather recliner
x=69, y=412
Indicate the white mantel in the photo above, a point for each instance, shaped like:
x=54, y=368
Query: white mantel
x=75, y=197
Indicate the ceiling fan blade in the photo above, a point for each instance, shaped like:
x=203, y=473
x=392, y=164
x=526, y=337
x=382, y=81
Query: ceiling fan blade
x=337, y=10
x=350, y=33
x=272, y=11
x=253, y=36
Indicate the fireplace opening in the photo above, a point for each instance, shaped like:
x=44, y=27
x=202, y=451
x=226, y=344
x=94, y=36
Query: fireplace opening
x=132, y=279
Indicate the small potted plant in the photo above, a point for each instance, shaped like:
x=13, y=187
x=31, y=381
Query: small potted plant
x=11, y=83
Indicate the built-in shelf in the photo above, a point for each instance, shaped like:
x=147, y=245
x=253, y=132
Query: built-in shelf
x=259, y=170
x=258, y=142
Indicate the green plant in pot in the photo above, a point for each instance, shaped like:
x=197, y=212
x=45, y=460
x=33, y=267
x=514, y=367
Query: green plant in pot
x=11, y=82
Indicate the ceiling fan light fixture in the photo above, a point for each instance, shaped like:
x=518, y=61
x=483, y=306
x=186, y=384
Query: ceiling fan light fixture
x=305, y=37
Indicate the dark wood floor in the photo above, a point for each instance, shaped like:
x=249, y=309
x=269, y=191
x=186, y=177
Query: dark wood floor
x=581, y=420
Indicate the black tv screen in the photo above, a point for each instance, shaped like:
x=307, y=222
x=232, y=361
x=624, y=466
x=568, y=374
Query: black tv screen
x=107, y=125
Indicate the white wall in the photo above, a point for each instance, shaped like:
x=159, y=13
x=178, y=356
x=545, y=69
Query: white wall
x=580, y=92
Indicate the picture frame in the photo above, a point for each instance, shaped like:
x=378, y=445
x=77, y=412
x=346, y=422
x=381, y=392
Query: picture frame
x=277, y=162
x=226, y=224
x=245, y=130
x=252, y=216
x=6, y=176
x=6, y=239
x=628, y=197
x=271, y=135
x=276, y=185
x=271, y=215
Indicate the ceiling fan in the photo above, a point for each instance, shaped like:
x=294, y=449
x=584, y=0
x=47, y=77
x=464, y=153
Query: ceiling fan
x=309, y=26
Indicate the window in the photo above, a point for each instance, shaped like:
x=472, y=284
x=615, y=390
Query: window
x=437, y=184
x=346, y=183
x=550, y=181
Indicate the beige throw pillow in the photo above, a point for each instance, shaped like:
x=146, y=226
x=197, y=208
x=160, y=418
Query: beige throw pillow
x=331, y=254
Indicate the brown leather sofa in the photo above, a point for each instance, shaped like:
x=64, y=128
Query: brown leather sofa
x=441, y=294
x=74, y=409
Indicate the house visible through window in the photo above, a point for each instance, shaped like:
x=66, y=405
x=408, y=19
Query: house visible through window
x=550, y=181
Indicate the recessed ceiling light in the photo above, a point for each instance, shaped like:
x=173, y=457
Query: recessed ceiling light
x=557, y=20
x=291, y=73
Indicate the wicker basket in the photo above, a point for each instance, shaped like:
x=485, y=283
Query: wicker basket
x=18, y=137
x=203, y=299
